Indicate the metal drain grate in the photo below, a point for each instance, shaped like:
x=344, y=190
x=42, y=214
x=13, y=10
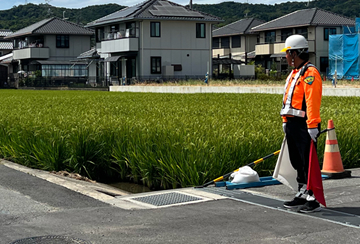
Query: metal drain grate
x=167, y=199
x=50, y=240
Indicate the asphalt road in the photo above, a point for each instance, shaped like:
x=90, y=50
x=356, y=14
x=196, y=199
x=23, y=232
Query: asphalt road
x=35, y=203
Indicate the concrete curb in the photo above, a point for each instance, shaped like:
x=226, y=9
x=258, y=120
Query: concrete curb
x=108, y=194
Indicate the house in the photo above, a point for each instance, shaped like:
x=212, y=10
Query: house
x=235, y=39
x=48, y=48
x=6, y=47
x=156, y=39
x=314, y=24
x=234, y=44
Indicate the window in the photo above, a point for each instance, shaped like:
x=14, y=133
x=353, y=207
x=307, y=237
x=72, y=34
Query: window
x=324, y=64
x=115, y=68
x=62, y=41
x=285, y=33
x=236, y=41
x=270, y=37
x=100, y=34
x=114, y=28
x=302, y=31
x=155, y=65
x=200, y=30
x=329, y=31
x=225, y=42
x=215, y=42
x=155, y=29
x=64, y=70
x=130, y=29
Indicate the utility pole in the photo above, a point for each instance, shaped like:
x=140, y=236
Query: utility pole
x=64, y=16
x=49, y=10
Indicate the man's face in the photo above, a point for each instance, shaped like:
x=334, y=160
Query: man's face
x=289, y=58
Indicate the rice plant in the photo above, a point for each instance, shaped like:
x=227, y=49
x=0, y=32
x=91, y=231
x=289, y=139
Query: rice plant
x=159, y=140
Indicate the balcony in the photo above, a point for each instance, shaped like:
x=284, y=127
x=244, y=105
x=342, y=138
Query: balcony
x=120, y=45
x=221, y=52
x=32, y=52
x=272, y=48
x=264, y=49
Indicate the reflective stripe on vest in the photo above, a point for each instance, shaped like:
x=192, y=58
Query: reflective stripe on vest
x=287, y=109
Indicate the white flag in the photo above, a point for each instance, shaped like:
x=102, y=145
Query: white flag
x=284, y=171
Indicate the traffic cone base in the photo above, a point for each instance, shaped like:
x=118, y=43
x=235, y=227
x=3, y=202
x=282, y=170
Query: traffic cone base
x=332, y=163
x=341, y=175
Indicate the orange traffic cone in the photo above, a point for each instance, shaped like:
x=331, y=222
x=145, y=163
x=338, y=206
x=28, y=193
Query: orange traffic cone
x=332, y=163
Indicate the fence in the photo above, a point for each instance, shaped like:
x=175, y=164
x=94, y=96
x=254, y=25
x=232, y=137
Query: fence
x=59, y=81
x=17, y=81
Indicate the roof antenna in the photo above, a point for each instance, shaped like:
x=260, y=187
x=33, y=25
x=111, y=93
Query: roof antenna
x=64, y=16
x=49, y=10
x=247, y=11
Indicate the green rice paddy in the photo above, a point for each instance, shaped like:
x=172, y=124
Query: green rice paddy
x=160, y=140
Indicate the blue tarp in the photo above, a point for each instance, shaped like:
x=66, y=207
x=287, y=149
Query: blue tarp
x=344, y=56
x=357, y=25
x=349, y=29
x=344, y=53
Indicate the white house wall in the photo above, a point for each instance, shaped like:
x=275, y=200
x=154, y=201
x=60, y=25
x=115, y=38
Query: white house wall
x=77, y=45
x=248, y=43
x=322, y=46
x=177, y=45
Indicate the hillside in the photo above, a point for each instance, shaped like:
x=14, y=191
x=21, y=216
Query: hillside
x=24, y=15
x=232, y=11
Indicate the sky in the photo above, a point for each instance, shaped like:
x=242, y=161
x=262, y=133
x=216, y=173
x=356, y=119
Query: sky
x=7, y=4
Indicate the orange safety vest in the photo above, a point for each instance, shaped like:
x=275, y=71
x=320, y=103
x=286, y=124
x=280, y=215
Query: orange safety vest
x=302, y=95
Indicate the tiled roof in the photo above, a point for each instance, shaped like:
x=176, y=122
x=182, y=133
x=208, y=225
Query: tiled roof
x=306, y=17
x=52, y=26
x=155, y=9
x=6, y=45
x=5, y=32
x=239, y=27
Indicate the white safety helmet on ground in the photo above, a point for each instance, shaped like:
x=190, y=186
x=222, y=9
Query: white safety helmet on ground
x=295, y=42
x=245, y=174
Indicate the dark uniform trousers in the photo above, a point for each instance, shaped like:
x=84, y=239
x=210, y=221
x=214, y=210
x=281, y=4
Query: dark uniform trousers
x=298, y=140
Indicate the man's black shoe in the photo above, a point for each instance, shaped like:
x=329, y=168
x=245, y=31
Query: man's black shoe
x=296, y=202
x=310, y=207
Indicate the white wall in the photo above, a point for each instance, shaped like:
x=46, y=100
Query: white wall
x=322, y=46
x=244, y=71
x=77, y=45
x=177, y=45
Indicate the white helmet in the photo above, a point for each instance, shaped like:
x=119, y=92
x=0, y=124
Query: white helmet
x=295, y=42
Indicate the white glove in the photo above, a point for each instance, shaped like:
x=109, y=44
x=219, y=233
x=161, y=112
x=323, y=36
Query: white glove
x=284, y=127
x=313, y=132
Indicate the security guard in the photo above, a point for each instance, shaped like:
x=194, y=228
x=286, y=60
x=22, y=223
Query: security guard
x=301, y=116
